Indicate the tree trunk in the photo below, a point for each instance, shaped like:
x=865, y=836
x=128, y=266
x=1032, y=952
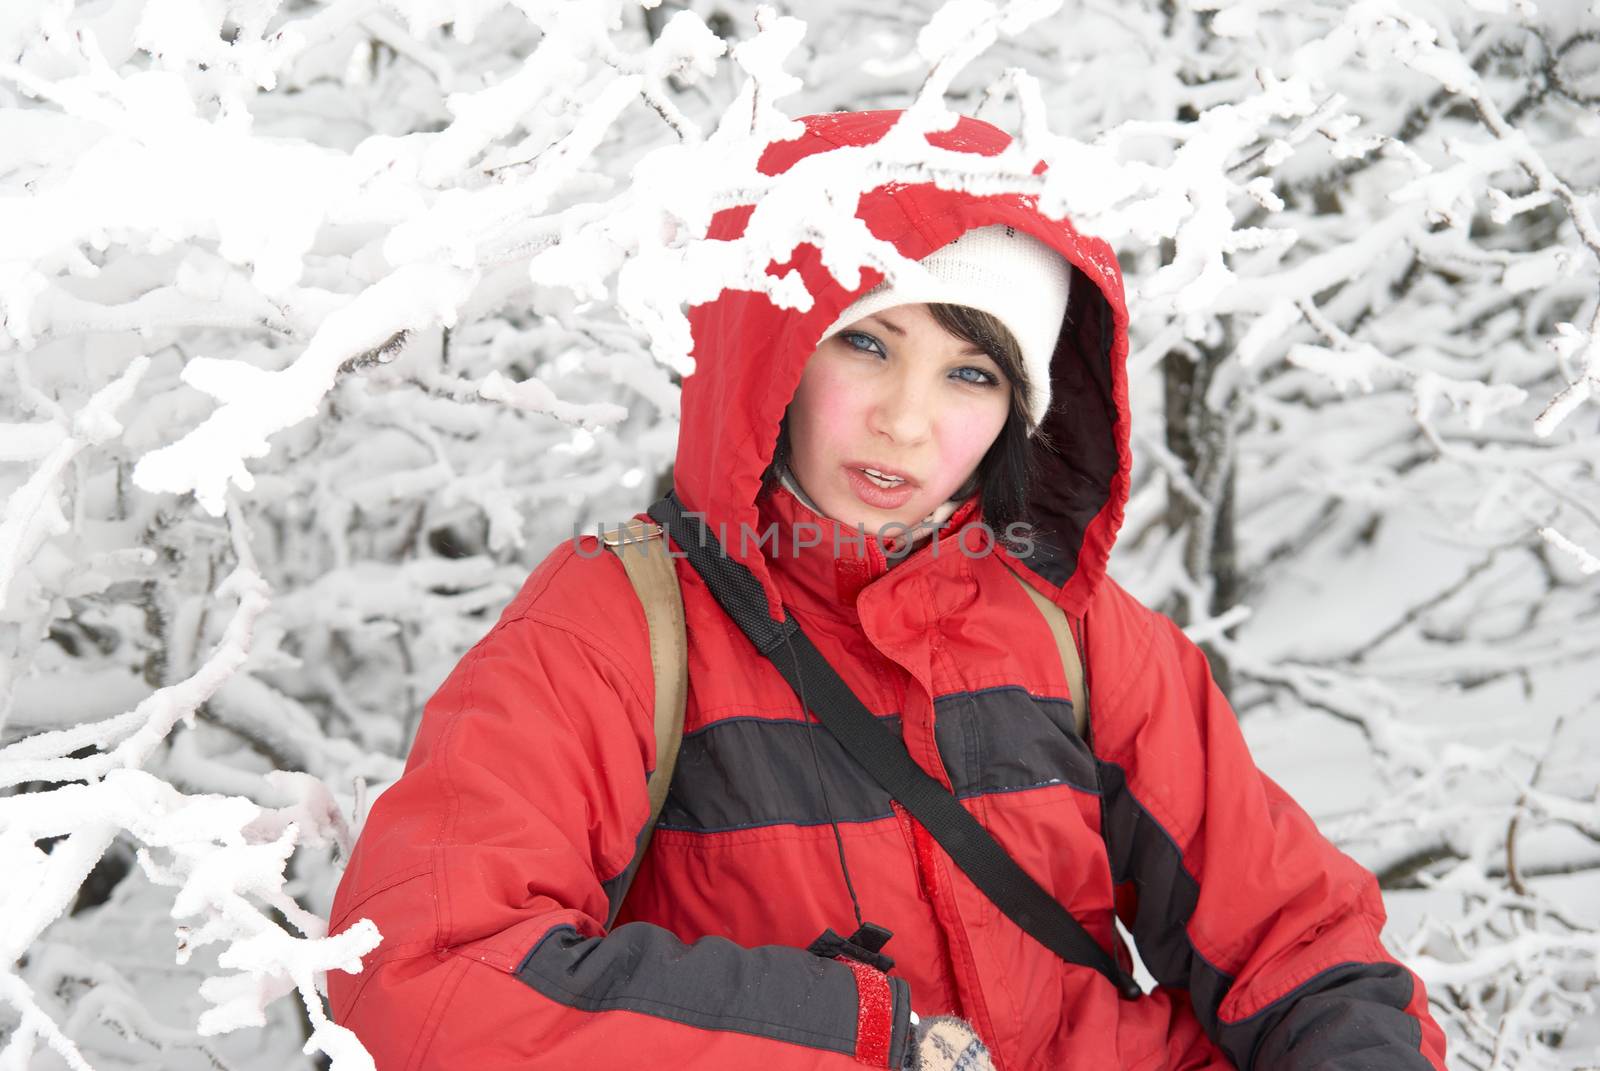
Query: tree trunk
x=1202, y=440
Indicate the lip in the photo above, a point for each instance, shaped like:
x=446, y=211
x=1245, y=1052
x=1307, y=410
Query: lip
x=910, y=480
x=872, y=495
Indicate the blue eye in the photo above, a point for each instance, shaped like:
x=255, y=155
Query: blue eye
x=980, y=378
x=875, y=346
x=972, y=375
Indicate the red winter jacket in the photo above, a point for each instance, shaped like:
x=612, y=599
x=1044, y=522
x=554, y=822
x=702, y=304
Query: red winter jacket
x=491, y=867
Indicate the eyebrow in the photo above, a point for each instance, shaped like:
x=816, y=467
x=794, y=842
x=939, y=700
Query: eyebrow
x=970, y=351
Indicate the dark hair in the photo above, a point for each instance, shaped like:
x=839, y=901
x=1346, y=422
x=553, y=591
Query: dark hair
x=1003, y=478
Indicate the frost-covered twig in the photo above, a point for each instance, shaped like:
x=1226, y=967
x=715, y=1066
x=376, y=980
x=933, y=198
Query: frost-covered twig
x=221, y=850
x=33, y=511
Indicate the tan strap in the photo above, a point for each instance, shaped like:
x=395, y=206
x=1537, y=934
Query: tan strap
x=1056, y=618
x=644, y=554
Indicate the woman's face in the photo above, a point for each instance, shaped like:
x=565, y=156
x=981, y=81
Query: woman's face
x=892, y=415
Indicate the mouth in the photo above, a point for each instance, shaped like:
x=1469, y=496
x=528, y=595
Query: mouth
x=879, y=487
x=884, y=477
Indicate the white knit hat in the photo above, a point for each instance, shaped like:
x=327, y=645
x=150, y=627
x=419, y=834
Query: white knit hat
x=1003, y=271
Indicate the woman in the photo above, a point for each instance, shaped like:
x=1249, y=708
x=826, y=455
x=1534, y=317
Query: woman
x=494, y=867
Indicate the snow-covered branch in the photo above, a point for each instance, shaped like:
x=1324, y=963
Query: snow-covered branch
x=368, y=304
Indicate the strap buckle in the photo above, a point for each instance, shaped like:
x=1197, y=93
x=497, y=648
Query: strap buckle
x=632, y=532
x=863, y=946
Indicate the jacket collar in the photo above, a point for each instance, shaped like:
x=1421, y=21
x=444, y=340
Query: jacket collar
x=823, y=565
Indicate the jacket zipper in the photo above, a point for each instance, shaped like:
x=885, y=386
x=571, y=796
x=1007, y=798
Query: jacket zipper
x=1073, y=627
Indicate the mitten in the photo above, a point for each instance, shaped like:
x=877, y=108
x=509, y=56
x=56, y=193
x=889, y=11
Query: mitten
x=945, y=1043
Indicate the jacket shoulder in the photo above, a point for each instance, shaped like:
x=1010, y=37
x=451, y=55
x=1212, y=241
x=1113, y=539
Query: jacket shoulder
x=1118, y=633
x=582, y=589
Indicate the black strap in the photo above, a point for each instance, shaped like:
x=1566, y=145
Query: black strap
x=883, y=754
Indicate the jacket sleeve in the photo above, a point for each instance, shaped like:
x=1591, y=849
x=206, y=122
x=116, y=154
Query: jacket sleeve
x=488, y=869
x=1228, y=888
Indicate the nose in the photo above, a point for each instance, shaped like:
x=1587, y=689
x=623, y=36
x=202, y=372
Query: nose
x=901, y=410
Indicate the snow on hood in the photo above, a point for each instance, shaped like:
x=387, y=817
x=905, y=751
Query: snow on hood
x=750, y=353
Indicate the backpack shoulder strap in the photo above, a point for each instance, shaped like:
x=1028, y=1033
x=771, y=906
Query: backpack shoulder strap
x=643, y=553
x=1056, y=618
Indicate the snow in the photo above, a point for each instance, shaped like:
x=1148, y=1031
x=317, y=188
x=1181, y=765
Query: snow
x=257, y=403
x=1586, y=561
x=320, y=323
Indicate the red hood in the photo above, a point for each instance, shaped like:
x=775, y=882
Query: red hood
x=749, y=355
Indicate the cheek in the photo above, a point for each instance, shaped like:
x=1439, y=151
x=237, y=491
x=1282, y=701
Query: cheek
x=828, y=409
x=966, y=434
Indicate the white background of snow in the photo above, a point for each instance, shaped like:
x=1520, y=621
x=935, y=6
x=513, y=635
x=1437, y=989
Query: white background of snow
x=323, y=322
